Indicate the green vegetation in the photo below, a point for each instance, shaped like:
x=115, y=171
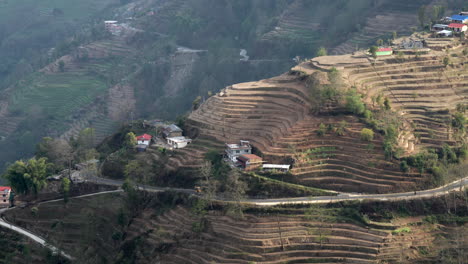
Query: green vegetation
x=401, y=230
x=367, y=134
x=27, y=177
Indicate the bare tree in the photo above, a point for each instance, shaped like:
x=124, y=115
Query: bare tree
x=208, y=183
x=235, y=190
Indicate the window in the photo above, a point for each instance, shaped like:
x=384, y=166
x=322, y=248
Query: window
x=237, y=151
x=246, y=151
x=4, y=201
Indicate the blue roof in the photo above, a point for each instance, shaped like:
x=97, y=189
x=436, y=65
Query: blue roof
x=458, y=17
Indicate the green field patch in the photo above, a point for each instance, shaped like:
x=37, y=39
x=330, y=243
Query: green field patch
x=56, y=94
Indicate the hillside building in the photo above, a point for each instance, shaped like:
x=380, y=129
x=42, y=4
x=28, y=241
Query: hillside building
x=457, y=27
x=439, y=27
x=384, y=52
x=249, y=161
x=144, y=139
x=178, y=142
x=110, y=23
x=5, y=193
x=276, y=167
x=444, y=33
x=235, y=150
x=460, y=19
x=172, y=131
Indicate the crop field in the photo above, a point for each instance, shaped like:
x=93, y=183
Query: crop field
x=57, y=95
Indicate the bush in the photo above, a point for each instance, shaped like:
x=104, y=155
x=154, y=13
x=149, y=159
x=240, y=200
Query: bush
x=404, y=166
x=354, y=103
x=321, y=130
x=367, y=134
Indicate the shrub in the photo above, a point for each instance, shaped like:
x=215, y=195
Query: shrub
x=354, y=103
x=321, y=130
x=367, y=134
x=404, y=166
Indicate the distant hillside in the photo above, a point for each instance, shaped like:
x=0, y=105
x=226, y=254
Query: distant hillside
x=172, y=53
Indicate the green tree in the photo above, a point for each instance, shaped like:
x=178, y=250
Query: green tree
x=137, y=170
x=322, y=129
x=373, y=51
x=394, y=35
x=130, y=140
x=404, y=166
x=61, y=66
x=321, y=52
x=446, y=61
x=66, y=189
x=379, y=42
x=387, y=105
x=367, y=134
x=354, y=103
x=27, y=177
x=196, y=103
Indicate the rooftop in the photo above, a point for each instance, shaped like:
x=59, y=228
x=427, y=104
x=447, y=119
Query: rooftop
x=384, y=49
x=456, y=25
x=173, y=128
x=276, y=166
x=179, y=139
x=144, y=137
x=459, y=17
x=5, y=188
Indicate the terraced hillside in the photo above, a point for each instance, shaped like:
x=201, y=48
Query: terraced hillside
x=275, y=115
x=287, y=236
x=423, y=90
x=394, y=16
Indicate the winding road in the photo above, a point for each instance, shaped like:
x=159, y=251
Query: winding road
x=451, y=187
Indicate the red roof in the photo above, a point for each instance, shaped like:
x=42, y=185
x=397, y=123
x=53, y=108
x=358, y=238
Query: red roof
x=456, y=25
x=144, y=137
x=4, y=188
x=384, y=49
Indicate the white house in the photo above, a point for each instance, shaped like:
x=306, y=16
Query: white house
x=144, y=139
x=5, y=193
x=178, y=142
x=233, y=151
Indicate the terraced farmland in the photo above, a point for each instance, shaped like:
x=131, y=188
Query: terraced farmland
x=423, y=91
x=288, y=236
x=274, y=114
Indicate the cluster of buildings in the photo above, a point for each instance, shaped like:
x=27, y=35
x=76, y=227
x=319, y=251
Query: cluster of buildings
x=455, y=24
x=5, y=196
x=171, y=135
x=240, y=155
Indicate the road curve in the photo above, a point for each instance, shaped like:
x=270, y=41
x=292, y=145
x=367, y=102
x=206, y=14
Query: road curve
x=453, y=186
x=34, y=237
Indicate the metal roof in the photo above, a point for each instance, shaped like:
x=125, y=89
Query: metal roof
x=276, y=166
x=459, y=17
